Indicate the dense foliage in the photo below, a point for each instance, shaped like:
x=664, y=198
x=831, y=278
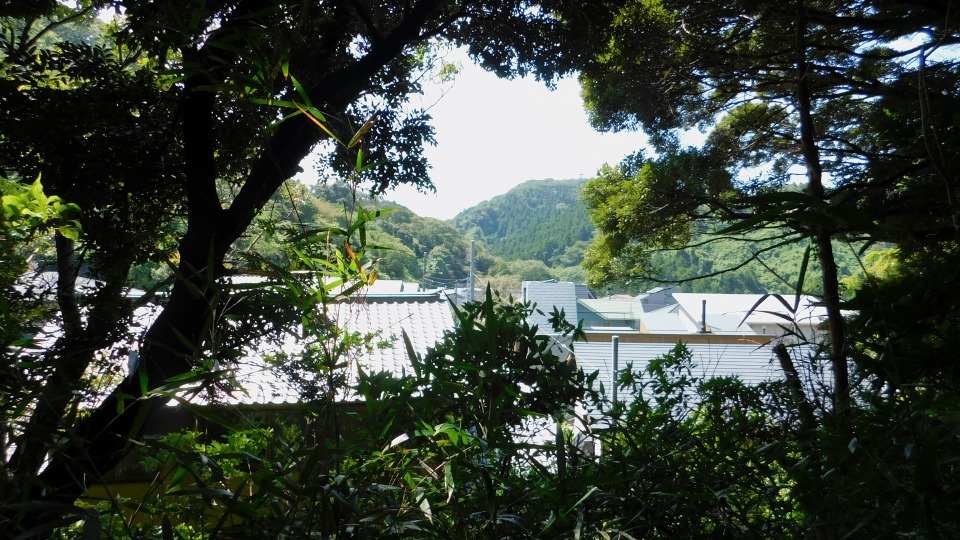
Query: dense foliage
x=717, y=263
x=171, y=127
x=508, y=252
x=542, y=230
x=856, y=101
x=164, y=136
x=480, y=441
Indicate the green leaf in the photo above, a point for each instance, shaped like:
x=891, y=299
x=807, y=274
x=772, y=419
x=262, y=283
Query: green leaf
x=317, y=118
x=364, y=129
x=415, y=359
x=275, y=103
x=178, y=476
x=448, y=480
x=801, y=278
x=69, y=232
x=305, y=97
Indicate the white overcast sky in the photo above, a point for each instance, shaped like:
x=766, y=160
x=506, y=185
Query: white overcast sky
x=494, y=134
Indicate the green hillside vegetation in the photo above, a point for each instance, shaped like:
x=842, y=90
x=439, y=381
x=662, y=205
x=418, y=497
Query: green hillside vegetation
x=507, y=254
x=731, y=265
x=400, y=240
x=539, y=219
x=541, y=229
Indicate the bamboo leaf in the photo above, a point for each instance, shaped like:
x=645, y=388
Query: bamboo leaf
x=301, y=91
x=364, y=129
x=319, y=122
x=800, y=279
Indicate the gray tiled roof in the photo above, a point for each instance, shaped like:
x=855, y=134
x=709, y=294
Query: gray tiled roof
x=424, y=319
x=613, y=308
x=726, y=324
x=583, y=291
x=666, y=321
x=391, y=286
x=666, y=310
x=424, y=316
x=769, y=310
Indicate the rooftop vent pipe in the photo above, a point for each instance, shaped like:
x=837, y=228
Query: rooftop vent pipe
x=703, y=318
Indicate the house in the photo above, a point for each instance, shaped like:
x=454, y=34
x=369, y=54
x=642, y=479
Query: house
x=381, y=311
x=728, y=334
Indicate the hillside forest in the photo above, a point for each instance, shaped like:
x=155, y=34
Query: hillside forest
x=536, y=231
x=152, y=239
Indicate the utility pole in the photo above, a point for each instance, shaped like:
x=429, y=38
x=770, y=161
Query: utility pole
x=423, y=279
x=616, y=365
x=473, y=254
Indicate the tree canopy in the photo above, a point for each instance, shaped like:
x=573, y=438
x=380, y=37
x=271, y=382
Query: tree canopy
x=850, y=98
x=854, y=101
x=170, y=128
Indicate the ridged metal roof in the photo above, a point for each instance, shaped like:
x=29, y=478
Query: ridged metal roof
x=547, y=295
x=752, y=364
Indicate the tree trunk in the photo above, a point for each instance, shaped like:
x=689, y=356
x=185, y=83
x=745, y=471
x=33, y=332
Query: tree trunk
x=823, y=237
x=72, y=353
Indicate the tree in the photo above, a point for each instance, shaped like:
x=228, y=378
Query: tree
x=853, y=98
x=26, y=212
x=539, y=219
x=525, y=270
x=193, y=89
x=694, y=459
x=818, y=90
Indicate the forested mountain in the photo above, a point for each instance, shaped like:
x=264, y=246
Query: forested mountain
x=537, y=230
x=539, y=219
x=545, y=220
x=405, y=239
